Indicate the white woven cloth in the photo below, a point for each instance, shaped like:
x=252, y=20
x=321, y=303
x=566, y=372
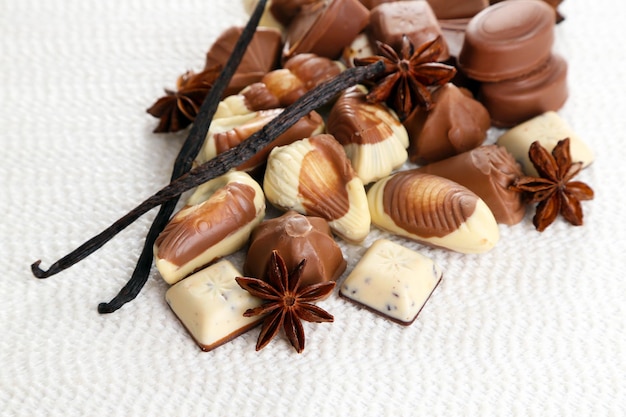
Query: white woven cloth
x=534, y=327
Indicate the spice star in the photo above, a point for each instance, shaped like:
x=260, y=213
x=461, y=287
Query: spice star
x=408, y=76
x=553, y=189
x=287, y=303
x=178, y=109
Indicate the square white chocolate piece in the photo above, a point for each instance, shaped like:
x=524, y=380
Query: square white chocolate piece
x=210, y=304
x=393, y=281
x=548, y=128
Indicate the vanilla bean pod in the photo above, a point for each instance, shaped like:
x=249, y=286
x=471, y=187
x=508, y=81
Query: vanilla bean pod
x=222, y=163
x=183, y=163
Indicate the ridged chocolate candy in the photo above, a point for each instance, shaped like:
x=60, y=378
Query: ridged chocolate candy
x=217, y=221
x=314, y=177
x=488, y=171
x=433, y=210
x=374, y=139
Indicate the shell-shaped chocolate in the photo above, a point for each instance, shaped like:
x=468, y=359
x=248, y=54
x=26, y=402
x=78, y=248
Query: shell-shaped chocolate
x=372, y=136
x=228, y=132
x=489, y=172
x=314, y=177
x=433, y=210
x=217, y=221
x=296, y=237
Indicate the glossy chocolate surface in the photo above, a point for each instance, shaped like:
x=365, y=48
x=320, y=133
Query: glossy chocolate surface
x=296, y=237
x=325, y=28
x=488, y=171
x=261, y=56
x=508, y=40
x=512, y=102
x=457, y=123
x=416, y=19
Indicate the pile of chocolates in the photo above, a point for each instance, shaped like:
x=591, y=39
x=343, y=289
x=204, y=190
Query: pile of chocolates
x=404, y=152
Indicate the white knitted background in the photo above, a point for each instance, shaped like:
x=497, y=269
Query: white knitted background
x=534, y=327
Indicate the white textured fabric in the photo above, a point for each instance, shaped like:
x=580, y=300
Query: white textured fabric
x=534, y=327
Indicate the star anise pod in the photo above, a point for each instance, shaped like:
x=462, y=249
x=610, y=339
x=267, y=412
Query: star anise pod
x=286, y=302
x=554, y=189
x=409, y=75
x=177, y=109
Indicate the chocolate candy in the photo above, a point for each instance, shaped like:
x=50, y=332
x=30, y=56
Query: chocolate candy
x=325, y=27
x=210, y=304
x=488, y=171
x=261, y=56
x=455, y=9
x=433, y=210
x=374, y=139
x=314, y=177
x=216, y=221
x=548, y=128
x=456, y=123
x=513, y=101
x=228, y=132
x=508, y=40
x=296, y=237
x=392, y=281
x=415, y=19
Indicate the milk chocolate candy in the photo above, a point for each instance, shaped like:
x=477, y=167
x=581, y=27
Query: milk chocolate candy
x=216, y=221
x=514, y=101
x=296, y=237
x=455, y=9
x=285, y=10
x=392, y=281
x=210, y=304
x=508, y=40
x=374, y=139
x=261, y=56
x=325, y=27
x=228, y=132
x=548, y=128
x=488, y=171
x=415, y=19
x=433, y=210
x=553, y=3
x=457, y=123
x=314, y=177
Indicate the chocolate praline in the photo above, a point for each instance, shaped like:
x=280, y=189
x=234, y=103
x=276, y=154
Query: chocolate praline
x=296, y=237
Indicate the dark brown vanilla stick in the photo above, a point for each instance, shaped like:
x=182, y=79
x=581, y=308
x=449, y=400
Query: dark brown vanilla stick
x=222, y=163
x=183, y=163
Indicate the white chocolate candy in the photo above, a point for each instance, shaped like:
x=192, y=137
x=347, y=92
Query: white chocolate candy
x=314, y=177
x=548, y=128
x=210, y=304
x=433, y=210
x=393, y=281
x=217, y=221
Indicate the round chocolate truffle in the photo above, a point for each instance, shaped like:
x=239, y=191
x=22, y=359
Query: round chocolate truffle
x=296, y=237
x=507, y=40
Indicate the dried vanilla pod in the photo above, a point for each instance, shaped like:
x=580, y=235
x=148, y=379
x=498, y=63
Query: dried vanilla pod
x=314, y=177
x=374, y=139
x=216, y=221
x=433, y=210
x=219, y=165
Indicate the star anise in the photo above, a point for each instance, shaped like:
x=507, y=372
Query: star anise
x=177, y=109
x=554, y=189
x=409, y=76
x=287, y=303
